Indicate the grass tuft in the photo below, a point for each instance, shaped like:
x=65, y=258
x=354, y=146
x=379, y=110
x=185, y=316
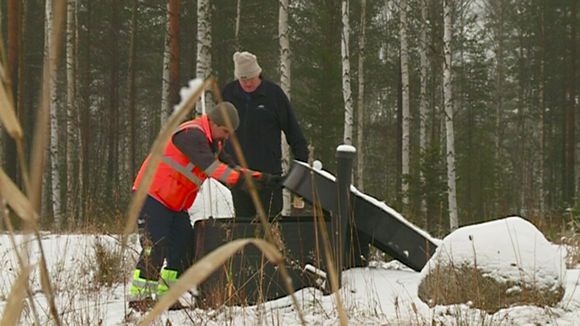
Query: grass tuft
x=448, y=285
x=109, y=264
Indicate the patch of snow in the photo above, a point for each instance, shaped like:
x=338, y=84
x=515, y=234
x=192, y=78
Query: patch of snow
x=508, y=250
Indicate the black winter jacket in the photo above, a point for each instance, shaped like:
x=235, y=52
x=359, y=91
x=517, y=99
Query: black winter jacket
x=263, y=114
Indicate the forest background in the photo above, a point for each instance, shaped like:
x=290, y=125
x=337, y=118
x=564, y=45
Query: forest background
x=511, y=113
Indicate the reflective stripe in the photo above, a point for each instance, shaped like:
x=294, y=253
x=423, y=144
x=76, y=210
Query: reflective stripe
x=185, y=171
x=145, y=284
x=141, y=288
x=212, y=167
x=222, y=172
x=226, y=174
x=168, y=278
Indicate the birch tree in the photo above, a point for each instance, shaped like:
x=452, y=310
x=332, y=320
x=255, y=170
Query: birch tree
x=53, y=147
x=285, y=83
x=360, y=99
x=203, y=62
x=71, y=114
x=237, y=28
x=448, y=104
x=406, y=118
x=346, y=90
x=170, y=82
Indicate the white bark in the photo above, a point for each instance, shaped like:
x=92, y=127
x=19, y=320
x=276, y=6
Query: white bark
x=238, y=17
x=165, y=81
x=360, y=99
x=406, y=118
x=170, y=81
x=53, y=147
x=346, y=90
x=448, y=103
x=203, y=63
x=285, y=83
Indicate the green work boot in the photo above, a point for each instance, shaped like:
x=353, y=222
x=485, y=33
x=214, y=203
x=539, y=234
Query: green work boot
x=141, y=292
x=168, y=278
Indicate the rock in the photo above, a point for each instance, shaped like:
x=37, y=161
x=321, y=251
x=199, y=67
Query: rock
x=494, y=265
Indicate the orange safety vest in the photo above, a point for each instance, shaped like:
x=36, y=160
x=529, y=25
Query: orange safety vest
x=177, y=180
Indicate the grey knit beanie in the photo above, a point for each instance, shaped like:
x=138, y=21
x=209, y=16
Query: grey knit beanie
x=219, y=112
x=246, y=65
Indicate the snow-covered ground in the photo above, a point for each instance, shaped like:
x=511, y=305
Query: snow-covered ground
x=381, y=294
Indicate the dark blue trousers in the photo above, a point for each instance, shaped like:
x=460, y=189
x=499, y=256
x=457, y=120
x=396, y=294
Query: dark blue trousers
x=164, y=235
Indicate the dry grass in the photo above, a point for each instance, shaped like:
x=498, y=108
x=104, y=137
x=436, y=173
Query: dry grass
x=448, y=285
x=109, y=265
x=570, y=237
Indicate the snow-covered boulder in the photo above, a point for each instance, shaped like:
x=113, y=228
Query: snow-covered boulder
x=494, y=265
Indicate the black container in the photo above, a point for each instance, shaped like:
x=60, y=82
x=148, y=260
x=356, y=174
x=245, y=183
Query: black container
x=248, y=277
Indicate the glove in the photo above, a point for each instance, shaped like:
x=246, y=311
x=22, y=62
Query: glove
x=271, y=181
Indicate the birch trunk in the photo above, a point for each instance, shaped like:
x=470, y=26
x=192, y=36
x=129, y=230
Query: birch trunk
x=360, y=99
x=238, y=17
x=285, y=84
x=53, y=147
x=203, y=63
x=346, y=90
x=170, y=82
x=71, y=136
x=406, y=118
x=448, y=104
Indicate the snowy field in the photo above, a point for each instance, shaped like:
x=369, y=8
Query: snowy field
x=381, y=294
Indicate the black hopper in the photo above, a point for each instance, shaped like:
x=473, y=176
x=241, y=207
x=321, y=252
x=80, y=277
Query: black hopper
x=350, y=220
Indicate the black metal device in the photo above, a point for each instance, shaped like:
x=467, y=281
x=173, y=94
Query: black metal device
x=248, y=278
x=383, y=228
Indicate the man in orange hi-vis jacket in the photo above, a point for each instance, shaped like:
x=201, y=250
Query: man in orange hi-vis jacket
x=192, y=154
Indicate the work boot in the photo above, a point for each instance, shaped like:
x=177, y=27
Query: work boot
x=168, y=278
x=141, y=292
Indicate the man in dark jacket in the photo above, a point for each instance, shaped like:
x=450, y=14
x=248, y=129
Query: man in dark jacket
x=265, y=112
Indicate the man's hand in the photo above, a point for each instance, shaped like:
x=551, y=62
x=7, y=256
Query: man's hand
x=270, y=181
x=262, y=180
